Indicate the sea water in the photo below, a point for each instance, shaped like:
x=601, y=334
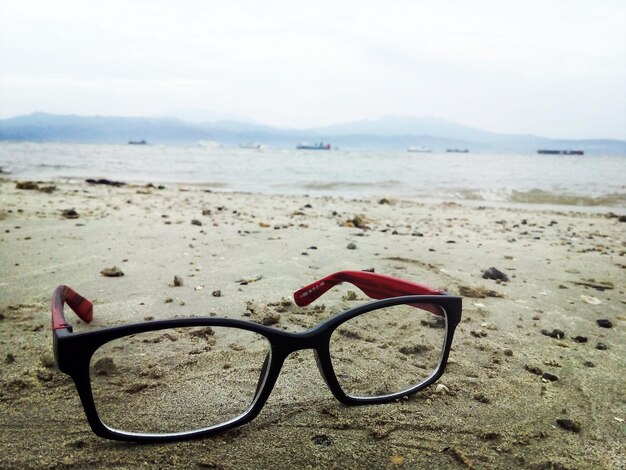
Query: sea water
x=588, y=181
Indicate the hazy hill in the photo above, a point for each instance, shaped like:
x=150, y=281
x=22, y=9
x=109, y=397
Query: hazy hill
x=389, y=132
x=72, y=128
x=405, y=125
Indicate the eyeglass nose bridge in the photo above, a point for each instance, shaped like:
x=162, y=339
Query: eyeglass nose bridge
x=289, y=343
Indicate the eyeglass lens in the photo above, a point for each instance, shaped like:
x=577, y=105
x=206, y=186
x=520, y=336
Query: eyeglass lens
x=177, y=380
x=186, y=379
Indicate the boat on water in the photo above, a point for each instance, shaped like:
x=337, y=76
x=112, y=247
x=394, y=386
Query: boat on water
x=419, y=149
x=250, y=145
x=137, y=142
x=457, y=150
x=319, y=146
x=560, y=152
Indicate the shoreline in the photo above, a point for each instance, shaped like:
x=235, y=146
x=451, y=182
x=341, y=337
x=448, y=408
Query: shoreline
x=472, y=202
x=566, y=271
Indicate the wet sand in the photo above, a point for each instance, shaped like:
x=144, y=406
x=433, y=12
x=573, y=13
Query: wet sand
x=519, y=394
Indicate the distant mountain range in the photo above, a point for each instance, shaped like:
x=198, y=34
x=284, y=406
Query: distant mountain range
x=385, y=133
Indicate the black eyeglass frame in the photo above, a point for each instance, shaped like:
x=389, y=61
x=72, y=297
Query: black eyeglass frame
x=73, y=352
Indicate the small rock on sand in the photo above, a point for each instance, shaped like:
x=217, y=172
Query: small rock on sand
x=70, y=214
x=112, y=272
x=31, y=185
x=495, y=274
x=568, y=424
x=555, y=333
x=549, y=377
x=105, y=181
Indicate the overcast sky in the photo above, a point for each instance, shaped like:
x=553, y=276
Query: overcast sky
x=553, y=68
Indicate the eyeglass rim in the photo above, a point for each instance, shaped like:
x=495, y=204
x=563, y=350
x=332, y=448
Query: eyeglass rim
x=74, y=351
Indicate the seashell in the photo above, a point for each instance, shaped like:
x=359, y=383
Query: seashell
x=590, y=299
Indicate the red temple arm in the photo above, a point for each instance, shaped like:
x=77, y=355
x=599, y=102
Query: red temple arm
x=376, y=286
x=80, y=305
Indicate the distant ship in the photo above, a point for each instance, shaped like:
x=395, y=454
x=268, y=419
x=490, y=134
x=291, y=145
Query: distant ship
x=137, y=142
x=320, y=146
x=457, y=150
x=419, y=149
x=561, y=152
x=250, y=145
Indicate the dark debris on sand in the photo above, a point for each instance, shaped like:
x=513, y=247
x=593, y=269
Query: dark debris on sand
x=495, y=274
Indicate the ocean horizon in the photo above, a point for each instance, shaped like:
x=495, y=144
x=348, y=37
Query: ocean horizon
x=593, y=182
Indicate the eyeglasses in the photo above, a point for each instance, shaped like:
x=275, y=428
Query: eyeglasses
x=175, y=379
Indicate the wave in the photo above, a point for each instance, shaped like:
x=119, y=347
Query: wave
x=348, y=185
x=540, y=196
x=526, y=197
x=54, y=166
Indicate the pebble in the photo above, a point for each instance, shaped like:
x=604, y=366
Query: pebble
x=196, y=222
x=581, y=339
x=178, y=281
x=112, y=272
x=533, y=370
x=70, y=214
x=351, y=246
x=26, y=185
x=556, y=333
x=602, y=346
x=216, y=293
x=604, y=323
x=549, y=377
x=441, y=388
x=322, y=440
x=568, y=424
x=495, y=274
x=106, y=182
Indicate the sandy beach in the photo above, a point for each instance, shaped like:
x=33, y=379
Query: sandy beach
x=518, y=394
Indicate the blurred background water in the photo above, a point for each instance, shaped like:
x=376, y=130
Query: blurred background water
x=585, y=181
